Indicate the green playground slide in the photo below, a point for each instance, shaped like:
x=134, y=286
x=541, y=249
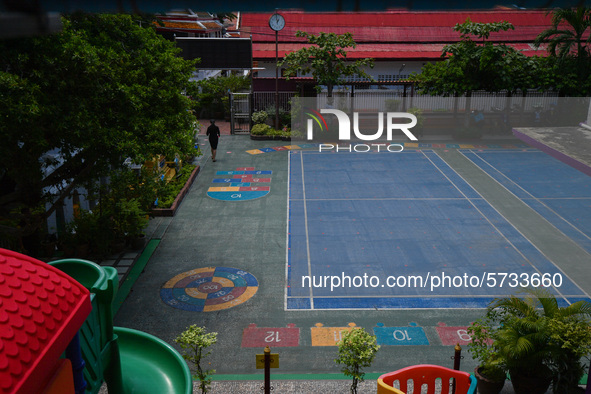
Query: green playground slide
x=130, y=361
x=150, y=365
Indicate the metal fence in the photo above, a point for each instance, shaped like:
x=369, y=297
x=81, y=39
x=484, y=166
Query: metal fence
x=262, y=101
x=393, y=100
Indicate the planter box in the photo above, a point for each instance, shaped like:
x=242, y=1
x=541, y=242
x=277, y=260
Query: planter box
x=177, y=201
x=269, y=138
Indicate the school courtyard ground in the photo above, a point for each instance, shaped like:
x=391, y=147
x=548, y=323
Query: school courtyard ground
x=259, y=243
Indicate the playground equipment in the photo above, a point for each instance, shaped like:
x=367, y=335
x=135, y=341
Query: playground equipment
x=41, y=310
x=129, y=361
x=426, y=374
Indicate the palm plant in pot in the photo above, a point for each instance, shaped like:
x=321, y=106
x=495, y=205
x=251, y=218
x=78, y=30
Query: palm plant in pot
x=540, y=341
x=491, y=371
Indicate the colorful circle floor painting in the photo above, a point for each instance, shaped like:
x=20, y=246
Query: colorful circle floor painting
x=209, y=289
x=245, y=183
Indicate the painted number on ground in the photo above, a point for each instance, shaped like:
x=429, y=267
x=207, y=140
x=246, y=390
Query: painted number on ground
x=254, y=336
x=328, y=336
x=453, y=335
x=410, y=335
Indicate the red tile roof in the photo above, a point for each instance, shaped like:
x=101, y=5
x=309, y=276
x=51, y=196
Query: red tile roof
x=391, y=34
x=41, y=309
x=380, y=51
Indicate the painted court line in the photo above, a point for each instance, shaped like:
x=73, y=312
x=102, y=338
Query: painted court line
x=522, y=246
x=530, y=241
x=307, y=230
x=540, y=201
x=524, y=236
x=287, y=231
x=518, y=250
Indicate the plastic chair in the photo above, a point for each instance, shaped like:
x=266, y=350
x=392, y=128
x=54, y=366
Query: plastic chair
x=426, y=374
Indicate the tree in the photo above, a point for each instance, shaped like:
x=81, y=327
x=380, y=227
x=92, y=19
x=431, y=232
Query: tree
x=76, y=104
x=534, y=335
x=326, y=59
x=474, y=63
x=194, y=341
x=566, y=36
x=569, y=47
x=357, y=350
x=211, y=95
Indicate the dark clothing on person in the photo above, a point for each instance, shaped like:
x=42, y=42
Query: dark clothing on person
x=213, y=132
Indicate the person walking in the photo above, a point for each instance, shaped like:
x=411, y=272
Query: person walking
x=213, y=132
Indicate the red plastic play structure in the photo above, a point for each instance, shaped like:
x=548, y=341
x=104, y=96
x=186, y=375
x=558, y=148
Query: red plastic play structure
x=427, y=374
x=57, y=334
x=41, y=310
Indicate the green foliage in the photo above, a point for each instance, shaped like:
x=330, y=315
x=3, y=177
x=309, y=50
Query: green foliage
x=474, y=63
x=481, y=348
x=481, y=30
x=569, y=49
x=260, y=129
x=194, y=342
x=326, y=59
x=125, y=184
x=477, y=64
x=210, y=96
x=259, y=117
x=102, y=90
x=357, y=350
x=284, y=115
x=566, y=36
x=533, y=334
x=90, y=229
x=418, y=113
x=264, y=129
x=167, y=192
x=130, y=219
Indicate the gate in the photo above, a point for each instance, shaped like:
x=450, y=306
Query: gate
x=240, y=112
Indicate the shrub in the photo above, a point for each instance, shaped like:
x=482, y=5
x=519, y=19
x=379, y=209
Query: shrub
x=259, y=117
x=260, y=129
x=167, y=192
x=284, y=115
x=357, y=349
x=194, y=341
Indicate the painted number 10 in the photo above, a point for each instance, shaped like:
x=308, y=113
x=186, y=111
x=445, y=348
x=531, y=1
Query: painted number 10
x=401, y=335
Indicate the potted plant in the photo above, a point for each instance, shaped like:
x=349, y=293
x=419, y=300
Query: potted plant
x=130, y=219
x=540, y=342
x=490, y=372
x=570, y=335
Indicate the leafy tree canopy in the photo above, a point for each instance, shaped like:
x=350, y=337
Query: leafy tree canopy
x=566, y=37
x=326, y=59
x=76, y=104
x=569, y=46
x=474, y=63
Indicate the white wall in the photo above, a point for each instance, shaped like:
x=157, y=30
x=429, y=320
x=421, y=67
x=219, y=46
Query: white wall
x=382, y=70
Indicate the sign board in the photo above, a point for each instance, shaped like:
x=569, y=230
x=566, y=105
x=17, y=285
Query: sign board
x=261, y=360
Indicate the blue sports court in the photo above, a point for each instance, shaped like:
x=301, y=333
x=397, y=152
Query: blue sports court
x=407, y=230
